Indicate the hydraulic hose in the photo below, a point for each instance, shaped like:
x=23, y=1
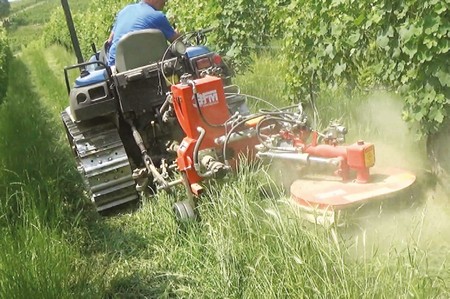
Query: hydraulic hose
x=197, y=147
x=194, y=91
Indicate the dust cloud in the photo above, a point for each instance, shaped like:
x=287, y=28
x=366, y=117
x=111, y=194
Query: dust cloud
x=424, y=222
x=421, y=219
x=396, y=142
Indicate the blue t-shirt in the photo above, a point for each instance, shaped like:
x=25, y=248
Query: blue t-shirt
x=137, y=17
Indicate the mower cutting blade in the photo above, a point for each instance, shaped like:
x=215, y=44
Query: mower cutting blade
x=325, y=198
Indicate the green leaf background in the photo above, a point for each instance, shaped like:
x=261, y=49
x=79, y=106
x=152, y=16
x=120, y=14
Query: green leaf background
x=402, y=46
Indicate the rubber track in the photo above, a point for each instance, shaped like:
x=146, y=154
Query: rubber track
x=103, y=163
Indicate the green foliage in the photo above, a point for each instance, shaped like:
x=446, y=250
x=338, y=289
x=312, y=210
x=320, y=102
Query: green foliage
x=241, y=26
x=401, y=45
x=4, y=8
x=18, y=6
x=27, y=20
x=5, y=56
x=92, y=25
x=35, y=13
x=56, y=32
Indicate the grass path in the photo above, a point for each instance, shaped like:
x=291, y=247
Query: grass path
x=38, y=258
x=26, y=8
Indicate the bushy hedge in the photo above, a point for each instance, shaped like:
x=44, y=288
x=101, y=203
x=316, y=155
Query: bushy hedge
x=399, y=45
x=402, y=46
x=240, y=27
x=92, y=26
x=5, y=56
x=4, y=8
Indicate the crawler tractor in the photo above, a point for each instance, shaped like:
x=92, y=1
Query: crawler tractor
x=168, y=115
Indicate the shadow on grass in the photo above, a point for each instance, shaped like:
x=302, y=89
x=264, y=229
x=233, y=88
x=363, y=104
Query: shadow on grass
x=31, y=158
x=40, y=194
x=134, y=250
x=146, y=285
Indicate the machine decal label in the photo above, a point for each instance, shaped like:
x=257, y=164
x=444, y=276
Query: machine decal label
x=369, y=156
x=206, y=99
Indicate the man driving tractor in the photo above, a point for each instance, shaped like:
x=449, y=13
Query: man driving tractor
x=146, y=14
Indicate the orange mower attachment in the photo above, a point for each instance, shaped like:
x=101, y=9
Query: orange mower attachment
x=325, y=199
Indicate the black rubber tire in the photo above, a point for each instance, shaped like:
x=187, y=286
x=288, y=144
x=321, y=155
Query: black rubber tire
x=184, y=210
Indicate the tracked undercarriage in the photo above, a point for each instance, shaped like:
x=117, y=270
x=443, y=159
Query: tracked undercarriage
x=102, y=161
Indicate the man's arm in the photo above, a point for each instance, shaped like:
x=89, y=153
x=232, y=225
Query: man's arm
x=110, y=38
x=163, y=24
x=174, y=36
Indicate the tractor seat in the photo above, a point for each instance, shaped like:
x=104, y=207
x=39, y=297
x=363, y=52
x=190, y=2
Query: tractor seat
x=140, y=48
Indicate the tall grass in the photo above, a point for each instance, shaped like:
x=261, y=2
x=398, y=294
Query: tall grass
x=38, y=260
x=38, y=217
x=249, y=245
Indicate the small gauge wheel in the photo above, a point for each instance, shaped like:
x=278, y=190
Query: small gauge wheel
x=184, y=210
